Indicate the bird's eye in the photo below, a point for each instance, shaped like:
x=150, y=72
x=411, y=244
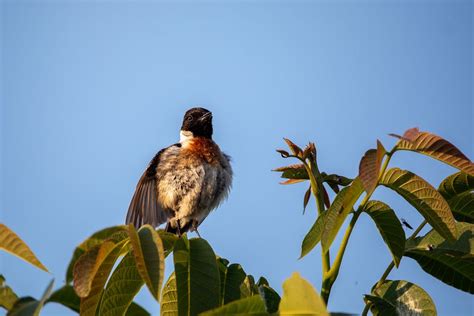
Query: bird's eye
x=189, y=118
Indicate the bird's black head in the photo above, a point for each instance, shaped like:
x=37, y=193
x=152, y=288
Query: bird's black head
x=198, y=121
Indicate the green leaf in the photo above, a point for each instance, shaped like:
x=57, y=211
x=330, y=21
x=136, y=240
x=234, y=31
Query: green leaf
x=336, y=179
x=29, y=306
x=297, y=171
x=369, y=167
x=457, y=189
x=7, y=296
x=389, y=227
x=313, y=237
x=423, y=197
x=300, y=298
x=270, y=297
x=197, y=276
x=401, y=298
x=136, y=310
x=248, y=287
x=96, y=239
x=11, y=243
x=232, y=277
x=122, y=287
x=252, y=305
x=306, y=198
x=169, y=299
x=438, y=148
x=91, y=272
x=168, y=240
x=462, y=206
x=450, y=262
x=66, y=297
x=149, y=255
x=338, y=211
x=456, y=184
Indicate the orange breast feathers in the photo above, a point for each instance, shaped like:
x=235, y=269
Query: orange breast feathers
x=203, y=148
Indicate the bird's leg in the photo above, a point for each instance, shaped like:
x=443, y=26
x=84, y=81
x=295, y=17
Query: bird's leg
x=194, y=228
x=178, y=228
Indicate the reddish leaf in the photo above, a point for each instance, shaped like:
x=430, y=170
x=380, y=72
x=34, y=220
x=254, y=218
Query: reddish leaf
x=290, y=167
x=292, y=181
x=307, y=195
x=411, y=134
x=294, y=148
x=283, y=153
x=369, y=167
x=310, y=150
x=438, y=148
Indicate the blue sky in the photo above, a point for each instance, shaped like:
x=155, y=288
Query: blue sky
x=90, y=91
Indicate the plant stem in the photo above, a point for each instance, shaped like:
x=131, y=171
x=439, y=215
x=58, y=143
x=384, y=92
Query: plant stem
x=331, y=276
x=391, y=266
x=317, y=190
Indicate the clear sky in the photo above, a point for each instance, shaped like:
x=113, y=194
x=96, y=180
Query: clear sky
x=91, y=90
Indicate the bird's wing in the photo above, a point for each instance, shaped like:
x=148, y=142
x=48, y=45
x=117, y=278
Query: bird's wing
x=145, y=207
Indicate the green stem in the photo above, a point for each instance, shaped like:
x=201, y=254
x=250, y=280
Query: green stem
x=317, y=190
x=331, y=276
x=391, y=266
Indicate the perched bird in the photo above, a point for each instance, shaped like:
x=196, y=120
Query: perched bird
x=184, y=181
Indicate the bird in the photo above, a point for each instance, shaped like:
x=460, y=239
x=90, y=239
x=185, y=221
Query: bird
x=183, y=182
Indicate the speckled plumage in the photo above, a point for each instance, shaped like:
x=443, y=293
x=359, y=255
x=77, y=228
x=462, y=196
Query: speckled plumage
x=182, y=184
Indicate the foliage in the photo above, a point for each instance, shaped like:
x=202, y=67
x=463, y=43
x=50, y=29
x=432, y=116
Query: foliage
x=446, y=252
x=109, y=268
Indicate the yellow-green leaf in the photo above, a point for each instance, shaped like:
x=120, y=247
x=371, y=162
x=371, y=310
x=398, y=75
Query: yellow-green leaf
x=96, y=239
x=105, y=262
x=369, y=167
x=248, y=287
x=122, y=287
x=338, y=211
x=401, y=298
x=313, y=237
x=87, y=266
x=438, y=148
x=252, y=305
x=29, y=306
x=7, y=296
x=11, y=243
x=169, y=299
x=423, y=197
x=300, y=298
x=149, y=257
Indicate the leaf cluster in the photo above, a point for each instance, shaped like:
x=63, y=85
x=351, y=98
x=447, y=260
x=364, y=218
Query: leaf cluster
x=446, y=252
